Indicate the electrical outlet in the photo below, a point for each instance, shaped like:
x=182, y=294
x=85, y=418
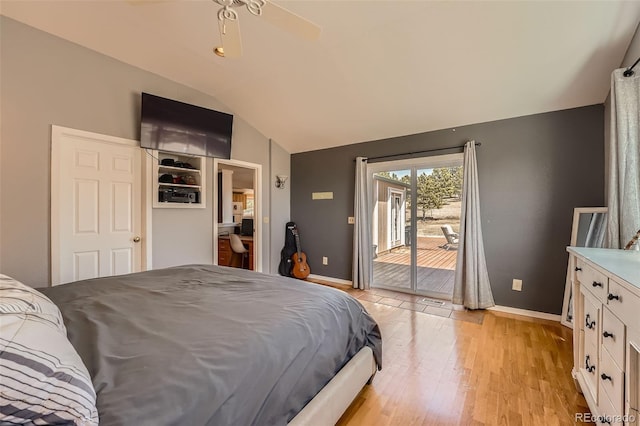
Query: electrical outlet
x=325, y=260
x=351, y=220
x=517, y=285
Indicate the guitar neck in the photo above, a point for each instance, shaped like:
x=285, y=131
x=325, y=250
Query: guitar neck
x=633, y=240
x=297, y=243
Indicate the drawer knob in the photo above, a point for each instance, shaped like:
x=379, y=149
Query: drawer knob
x=607, y=334
x=596, y=284
x=590, y=324
x=578, y=269
x=589, y=368
x=612, y=296
x=605, y=377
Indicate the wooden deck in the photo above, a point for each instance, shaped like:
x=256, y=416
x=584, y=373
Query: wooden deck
x=436, y=267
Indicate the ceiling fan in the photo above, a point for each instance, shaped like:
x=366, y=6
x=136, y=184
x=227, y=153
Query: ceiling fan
x=269, y=11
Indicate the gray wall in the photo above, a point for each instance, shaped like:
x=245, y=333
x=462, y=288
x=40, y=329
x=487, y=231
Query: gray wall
x=46, y=80
x=280, y=165
x=533, y=171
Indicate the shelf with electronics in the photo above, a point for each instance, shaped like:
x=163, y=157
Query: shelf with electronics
x=179, y=180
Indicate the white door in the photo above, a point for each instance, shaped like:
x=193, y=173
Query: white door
x=95, y=205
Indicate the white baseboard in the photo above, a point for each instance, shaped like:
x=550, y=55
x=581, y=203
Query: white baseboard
x=526, y=313
x=331, y=279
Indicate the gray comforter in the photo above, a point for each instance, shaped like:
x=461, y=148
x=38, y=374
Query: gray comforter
x=207, y=345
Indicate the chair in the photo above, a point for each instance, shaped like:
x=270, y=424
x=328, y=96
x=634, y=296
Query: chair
x=452, y=237
x=238, y=248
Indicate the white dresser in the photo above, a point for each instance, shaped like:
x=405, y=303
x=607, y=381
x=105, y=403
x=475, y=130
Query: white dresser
x=606, y=332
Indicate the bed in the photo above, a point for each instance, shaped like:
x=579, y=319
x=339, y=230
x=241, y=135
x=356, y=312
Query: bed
x=209, y=345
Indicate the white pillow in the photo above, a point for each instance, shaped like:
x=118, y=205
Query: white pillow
x=42, y=378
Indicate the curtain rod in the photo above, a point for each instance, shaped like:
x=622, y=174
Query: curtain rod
x=419, y=152
x=629, y=72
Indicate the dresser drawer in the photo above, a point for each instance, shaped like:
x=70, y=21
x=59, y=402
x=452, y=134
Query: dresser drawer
x=608, y=413
x=591, y=319
x=592, y=280
x=224, y=245
x=624, y=304
x=589, y=370
x=611, y=381
x=224, y=258
x=613, y=336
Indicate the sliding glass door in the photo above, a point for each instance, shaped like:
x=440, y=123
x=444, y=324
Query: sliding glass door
x=415, y=207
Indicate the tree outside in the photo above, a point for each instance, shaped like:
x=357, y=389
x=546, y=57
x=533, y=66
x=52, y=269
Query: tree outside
x=438, y=199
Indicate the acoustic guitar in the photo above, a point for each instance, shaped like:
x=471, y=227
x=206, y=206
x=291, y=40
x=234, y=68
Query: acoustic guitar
x=632, y=241
x=300, y=268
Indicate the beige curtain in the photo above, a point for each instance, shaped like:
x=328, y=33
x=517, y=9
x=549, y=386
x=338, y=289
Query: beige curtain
x=471, y=286
x=362, y=250
x=623, y=218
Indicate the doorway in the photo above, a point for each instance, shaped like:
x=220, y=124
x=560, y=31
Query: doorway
x=415, y=209
x=237, y=206
x=99, y=224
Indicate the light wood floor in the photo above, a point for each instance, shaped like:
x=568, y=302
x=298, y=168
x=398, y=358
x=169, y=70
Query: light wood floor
x=435, y=265
x=437, y=370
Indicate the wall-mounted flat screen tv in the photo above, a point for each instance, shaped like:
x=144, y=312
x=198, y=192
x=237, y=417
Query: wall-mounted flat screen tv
x=168, y=125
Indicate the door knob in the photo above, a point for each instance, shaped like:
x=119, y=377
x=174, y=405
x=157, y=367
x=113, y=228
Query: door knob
x=136, y=239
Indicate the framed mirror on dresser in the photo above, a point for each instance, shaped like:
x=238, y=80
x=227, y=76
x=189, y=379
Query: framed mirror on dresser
x=587, y=231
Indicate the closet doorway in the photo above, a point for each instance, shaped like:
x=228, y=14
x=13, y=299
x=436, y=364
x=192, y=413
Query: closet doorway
x=237, y=208
x=415, y=208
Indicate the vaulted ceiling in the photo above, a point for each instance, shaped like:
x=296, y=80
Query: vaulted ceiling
x=380, y=68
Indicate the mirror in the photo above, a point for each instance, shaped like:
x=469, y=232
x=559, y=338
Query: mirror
x=588, y=230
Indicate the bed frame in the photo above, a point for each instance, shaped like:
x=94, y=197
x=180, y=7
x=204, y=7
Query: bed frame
x=332, y=401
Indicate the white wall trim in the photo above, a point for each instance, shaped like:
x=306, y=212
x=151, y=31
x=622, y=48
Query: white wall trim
x=526, y=313
x=331, y=279
x=148, y=169
x=54, y=206
x=257, y=208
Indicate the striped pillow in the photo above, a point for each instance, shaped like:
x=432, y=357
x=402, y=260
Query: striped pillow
x=42, y=378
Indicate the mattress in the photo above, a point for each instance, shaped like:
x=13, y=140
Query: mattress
x=209, y=345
